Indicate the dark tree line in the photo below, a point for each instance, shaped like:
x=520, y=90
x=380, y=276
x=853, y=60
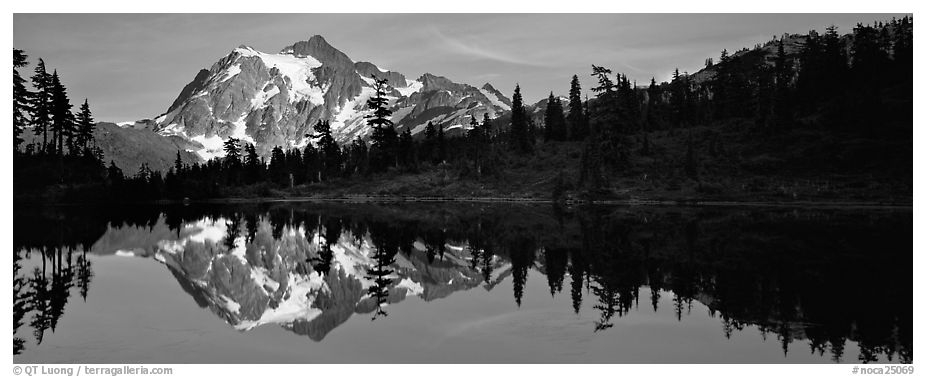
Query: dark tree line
x=846, y=84
x=609, y=262
x=63, y=150
x=321, y=161
x=831, y=82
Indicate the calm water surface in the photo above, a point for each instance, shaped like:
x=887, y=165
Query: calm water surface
x=460, y=283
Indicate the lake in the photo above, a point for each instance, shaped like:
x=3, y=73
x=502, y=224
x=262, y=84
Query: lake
x=303, y=282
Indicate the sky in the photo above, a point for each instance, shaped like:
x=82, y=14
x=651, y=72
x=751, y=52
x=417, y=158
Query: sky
x=132, y=66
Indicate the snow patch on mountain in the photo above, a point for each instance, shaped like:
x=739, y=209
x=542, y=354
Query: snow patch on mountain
x=350, y=117
x=260, y=100
x=212, y=146
x=231, y=72
x=370, y=81
x=172, y=129
x=296, y=305
x=411, y=88
x=297, y=70
x=230, y=304
x=240, y=130
x=494, y=99
x=276, y=98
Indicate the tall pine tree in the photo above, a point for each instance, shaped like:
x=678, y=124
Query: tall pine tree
x=41, y=104
x=555, y=122
x=21, y=98
x=85, y=126
x=62, y=119
x=384, y=137
x=328, y=150
x=578, y=128
x=519, y=134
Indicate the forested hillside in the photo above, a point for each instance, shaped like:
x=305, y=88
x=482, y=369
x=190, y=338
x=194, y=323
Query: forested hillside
x=804, y=117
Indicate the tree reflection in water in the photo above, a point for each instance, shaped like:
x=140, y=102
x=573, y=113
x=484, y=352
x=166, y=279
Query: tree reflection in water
x=824, y=276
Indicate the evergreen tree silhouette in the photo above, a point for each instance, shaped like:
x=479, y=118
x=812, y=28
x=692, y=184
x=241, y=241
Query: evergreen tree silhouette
x=384, y=137
x=576, y=118
x=22, y=99
x=63, y=121
x=85, y=126
x=41, y=103
x=520, y=137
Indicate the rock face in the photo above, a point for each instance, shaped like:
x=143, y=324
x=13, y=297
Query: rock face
x=275, y=99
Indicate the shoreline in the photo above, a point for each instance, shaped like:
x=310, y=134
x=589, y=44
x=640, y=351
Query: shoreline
x=364, y=199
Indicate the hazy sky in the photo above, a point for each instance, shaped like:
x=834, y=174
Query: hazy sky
x=132, y=66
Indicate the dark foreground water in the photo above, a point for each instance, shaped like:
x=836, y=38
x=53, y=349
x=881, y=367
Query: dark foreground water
x=460, y=283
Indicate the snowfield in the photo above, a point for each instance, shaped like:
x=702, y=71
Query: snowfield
x=296, y=70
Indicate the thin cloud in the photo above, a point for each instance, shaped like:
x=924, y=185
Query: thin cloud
x=463, y=48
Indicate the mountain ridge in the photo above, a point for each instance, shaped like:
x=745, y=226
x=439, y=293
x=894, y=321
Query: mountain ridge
x=275, y=99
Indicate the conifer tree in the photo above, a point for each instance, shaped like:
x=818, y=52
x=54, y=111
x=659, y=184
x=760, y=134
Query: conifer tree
x=678, y=95
x=653, y=98
x=486, y=127
x=232, y=153
x=62, y=119
x=548, y=127
x=476, y=138
x=429, y=132
x=835, y=62
x=41, y=103
x=605, y=118
x=178, y=164
x=85, y=126
x=520, y=137
x=277, y=167
x=406, y=149
x=311, y=162
x=295, y=167
x=328, y=150
x=379, y=273
x=577, y=127
x=554, y=120
x=114, y=173
x=903, y=48
x=359, y=153
x=21, y=98
x=253, y=164
x=428, y=146
x=384, y=137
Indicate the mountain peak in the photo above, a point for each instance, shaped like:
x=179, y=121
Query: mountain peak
x=273, y=99
x=318, y=48
x=314, y=43
x=490, y=88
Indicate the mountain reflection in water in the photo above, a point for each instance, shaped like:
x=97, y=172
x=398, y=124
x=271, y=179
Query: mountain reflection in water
x=822, y=276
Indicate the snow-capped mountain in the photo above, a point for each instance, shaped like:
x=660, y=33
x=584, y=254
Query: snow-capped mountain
x=266, y=277
x=275, y=99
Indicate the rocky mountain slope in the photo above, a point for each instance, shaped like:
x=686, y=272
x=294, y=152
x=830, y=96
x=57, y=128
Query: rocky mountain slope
x=275, y=99
x=132, y=144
